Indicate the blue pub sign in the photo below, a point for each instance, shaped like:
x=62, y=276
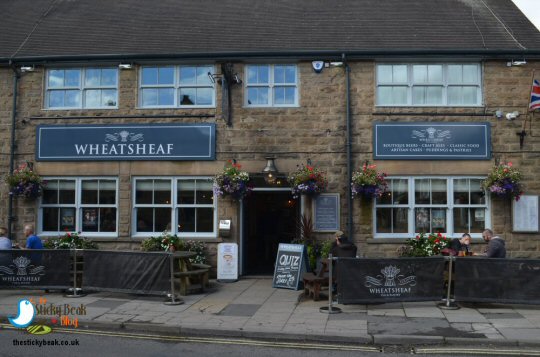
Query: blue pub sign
x=431, y=141
x=126, y=142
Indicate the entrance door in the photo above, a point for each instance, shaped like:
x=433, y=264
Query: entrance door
x=270, y=219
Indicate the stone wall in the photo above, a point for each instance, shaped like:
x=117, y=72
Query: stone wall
x=316, y=130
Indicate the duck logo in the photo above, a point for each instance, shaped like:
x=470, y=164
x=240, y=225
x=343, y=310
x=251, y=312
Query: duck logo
x=25, y=315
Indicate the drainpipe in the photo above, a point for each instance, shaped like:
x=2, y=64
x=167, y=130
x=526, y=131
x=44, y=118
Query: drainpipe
x=16, y=76
x=349, y=144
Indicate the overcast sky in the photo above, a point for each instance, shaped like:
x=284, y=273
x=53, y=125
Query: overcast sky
x=531, y=8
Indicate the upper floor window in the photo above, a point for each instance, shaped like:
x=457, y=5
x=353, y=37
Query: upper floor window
x=89, y=206
x=429, y=84
x=177, y=86
x=271, y=85
x=183, y=206
x=452, y=206
x=89, y=88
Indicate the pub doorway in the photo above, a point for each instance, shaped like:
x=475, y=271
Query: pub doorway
x=270, y=218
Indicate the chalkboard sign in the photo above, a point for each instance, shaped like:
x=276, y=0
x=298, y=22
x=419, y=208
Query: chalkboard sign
x=326, y=212
x=291, y=264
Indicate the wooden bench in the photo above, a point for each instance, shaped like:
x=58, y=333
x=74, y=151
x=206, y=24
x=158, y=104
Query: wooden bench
x=314, y=282
x=198, y=274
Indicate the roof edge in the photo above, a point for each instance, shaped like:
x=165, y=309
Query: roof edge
x=238, y=56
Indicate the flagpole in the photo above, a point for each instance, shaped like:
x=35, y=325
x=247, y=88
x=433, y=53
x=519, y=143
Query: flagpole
x=529, y=111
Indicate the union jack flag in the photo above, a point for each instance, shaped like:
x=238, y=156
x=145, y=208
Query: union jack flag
x=535, y=95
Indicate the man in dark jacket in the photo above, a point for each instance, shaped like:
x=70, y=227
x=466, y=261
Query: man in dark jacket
x=342, y=248
x=496, y=247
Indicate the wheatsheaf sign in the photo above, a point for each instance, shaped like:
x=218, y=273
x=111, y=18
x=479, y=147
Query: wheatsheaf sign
x=125, y=142
x=431, y=141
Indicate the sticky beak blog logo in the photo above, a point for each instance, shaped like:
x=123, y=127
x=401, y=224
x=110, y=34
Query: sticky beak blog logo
x=62, y=315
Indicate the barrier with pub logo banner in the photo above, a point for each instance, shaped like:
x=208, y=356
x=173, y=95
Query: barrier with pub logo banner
x=34, y=269
x=387, y=280
x=497, y=280
x=132, y=272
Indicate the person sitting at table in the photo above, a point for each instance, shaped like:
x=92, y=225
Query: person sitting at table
x=5, y=242
x=496, y=246
x=342, y=247
x=461, y=244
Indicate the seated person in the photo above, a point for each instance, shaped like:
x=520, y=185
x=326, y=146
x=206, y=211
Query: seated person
x=461, y=244
x=342, y=248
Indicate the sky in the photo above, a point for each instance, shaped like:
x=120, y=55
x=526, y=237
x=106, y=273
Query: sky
x=531, y=8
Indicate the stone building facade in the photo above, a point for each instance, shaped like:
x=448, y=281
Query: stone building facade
x=313, y=126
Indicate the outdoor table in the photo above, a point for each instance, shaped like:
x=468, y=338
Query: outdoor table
x=184, y=271
x=182, y=258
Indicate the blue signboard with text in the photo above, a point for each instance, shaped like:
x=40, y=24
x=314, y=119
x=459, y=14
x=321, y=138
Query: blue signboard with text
x=431, y=141
x=126, y=142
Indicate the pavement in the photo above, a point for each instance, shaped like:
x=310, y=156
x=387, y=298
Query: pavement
x=251, y=308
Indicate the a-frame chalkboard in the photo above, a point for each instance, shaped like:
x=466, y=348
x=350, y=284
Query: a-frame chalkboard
x=291, y=264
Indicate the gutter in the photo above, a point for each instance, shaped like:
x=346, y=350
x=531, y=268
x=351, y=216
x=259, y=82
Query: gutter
x=304, y=54
x=348, y=145
x=16, y=76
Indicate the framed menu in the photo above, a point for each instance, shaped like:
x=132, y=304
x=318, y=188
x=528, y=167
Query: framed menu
x=525, y=214
x=326, y=212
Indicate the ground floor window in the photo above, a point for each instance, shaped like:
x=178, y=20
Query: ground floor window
x=86, y=205
x=450, y=205
x=181, y=205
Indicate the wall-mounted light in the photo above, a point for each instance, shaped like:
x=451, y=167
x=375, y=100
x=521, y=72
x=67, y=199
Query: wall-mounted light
x=28, y=69
x=125, y=66
x=270, y=171
x=217, y=77
x=516, y=63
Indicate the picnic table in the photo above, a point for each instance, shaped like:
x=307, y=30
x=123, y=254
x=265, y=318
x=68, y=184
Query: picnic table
x=187, y=274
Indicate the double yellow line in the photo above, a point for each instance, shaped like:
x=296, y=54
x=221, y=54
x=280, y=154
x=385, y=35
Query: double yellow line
x=213, y=340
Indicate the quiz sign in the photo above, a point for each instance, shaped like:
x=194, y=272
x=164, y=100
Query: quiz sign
x=291, y=263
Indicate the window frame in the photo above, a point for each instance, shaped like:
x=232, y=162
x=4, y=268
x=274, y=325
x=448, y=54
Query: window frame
x=82, y=88
x=270, y=85
x=79, y=206
x=449, y=206
x=174, y=206
x=445, y=84
x=176, y=86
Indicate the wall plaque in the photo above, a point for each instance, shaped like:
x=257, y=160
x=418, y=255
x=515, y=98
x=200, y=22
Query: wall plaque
x=326, y=212
x=525, y=214
x=431, y=141
x=126, y=142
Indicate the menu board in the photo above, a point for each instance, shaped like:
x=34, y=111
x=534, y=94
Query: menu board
x=326, y=212
x=525, y=214
x=291, y=263
x=227, y=264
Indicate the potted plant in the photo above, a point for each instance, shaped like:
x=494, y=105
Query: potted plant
x=424, y=245
x=307, y=180
x=504, y=180
x=24, y=182
x=232, y=181
x=368, y=183
x=171, y=242
x=70, y=241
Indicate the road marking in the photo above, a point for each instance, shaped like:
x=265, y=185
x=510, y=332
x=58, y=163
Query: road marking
x=476, y=351
x=222, y=341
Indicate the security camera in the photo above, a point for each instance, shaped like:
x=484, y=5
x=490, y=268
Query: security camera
x=512, y=115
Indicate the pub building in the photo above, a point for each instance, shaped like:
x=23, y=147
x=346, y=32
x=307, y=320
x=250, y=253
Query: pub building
x=128, y=110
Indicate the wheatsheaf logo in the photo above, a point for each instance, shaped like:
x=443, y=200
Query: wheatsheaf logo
x=431, y=135
x=123, y=143
x=390, y=283
x=21, y=272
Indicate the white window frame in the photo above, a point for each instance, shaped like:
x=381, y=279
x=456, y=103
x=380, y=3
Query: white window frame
x=78, y=206
x=174, y=206
x=270, y=85
x=445, y=84
x=82, y=88
x=176, y=86
x=450, y=205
